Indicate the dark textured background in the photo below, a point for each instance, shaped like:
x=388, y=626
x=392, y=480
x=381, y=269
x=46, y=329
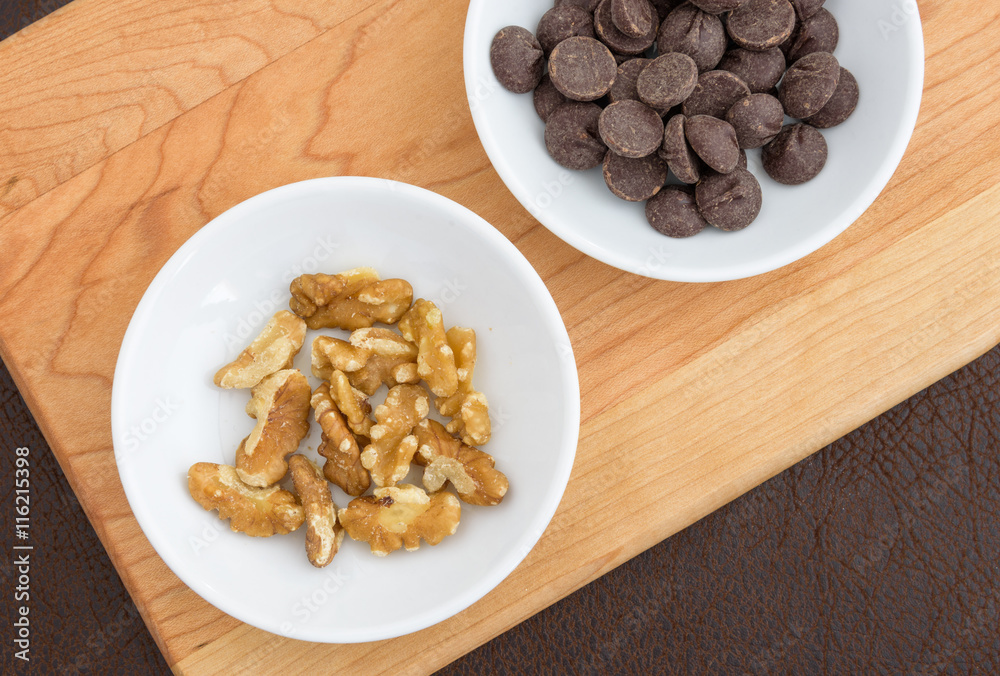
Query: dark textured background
x=876, y=555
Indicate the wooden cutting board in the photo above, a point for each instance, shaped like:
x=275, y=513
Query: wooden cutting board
x=126, y=125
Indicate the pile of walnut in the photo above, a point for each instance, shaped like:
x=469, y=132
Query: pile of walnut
x=359, y=450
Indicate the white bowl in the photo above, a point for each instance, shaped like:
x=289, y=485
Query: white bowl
x=215, y=294
x=880, y=42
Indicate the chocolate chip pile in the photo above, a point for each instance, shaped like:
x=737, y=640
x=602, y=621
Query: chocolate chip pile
x=648, y=89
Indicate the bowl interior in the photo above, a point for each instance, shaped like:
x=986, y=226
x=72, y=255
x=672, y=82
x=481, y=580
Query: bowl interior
x=215, y=294
x=879, y=42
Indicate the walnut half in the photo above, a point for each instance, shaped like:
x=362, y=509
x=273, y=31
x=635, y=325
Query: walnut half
x=423, y=325
x=280, y=403
x=271, y=351
x=258, y=512
x=323, y=533
x=469, y=470
x=352, y=403
x=373, y=356
x=339, y=446
x=391, y=360
x=349, y=300
x=468, y=409
x=392, y=446
x=399, y=516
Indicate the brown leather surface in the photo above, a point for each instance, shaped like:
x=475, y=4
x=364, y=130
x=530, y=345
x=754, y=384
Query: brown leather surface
x=16, y=14
x=876, y=555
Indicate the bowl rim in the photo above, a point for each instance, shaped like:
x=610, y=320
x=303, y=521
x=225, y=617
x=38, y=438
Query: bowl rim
x=777, y=259
x=569, y=388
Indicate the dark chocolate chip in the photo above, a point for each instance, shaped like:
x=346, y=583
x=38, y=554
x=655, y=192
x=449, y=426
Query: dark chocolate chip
x=715, y=94
x=589, y=5
x=667, y=81
x=796, y=155
x=547, y=98
x=717, y=6
x=634, y=179
x=665, y=7
x=807, y=8
x=624, y=87
x=761, y=24
x=809, y=84
x=677, y=153
x=786, y=46
x=714, y=141
x=760, y=70
x=562, y=23
x=631, y=129
x=840, y=106
x=634, y=18
x=742, y=164
x=517, y=59
x=582, y=68
x=757, y=119
x=619, y=42
x=572, y=136
x=729, y=201
x=698, y=34
x=817, y=34
x=674, y=213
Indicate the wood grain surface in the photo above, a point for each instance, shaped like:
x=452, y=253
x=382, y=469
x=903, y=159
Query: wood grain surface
x=128, y=126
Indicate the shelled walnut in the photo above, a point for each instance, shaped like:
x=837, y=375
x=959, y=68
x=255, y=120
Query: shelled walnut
x=340, y=447
x=423, y=326
x=333, y=354
x=390, y=453
x=323, y=533
x=468, y=409
x=374, y=356
x=258, y=512
x=399, y=516
x=352, y=403
x=270, y=352
x=471, y=471
x=349, y=300
x=280, y=404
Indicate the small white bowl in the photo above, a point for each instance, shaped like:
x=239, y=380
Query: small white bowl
x=216, y=292
x=881, y=42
